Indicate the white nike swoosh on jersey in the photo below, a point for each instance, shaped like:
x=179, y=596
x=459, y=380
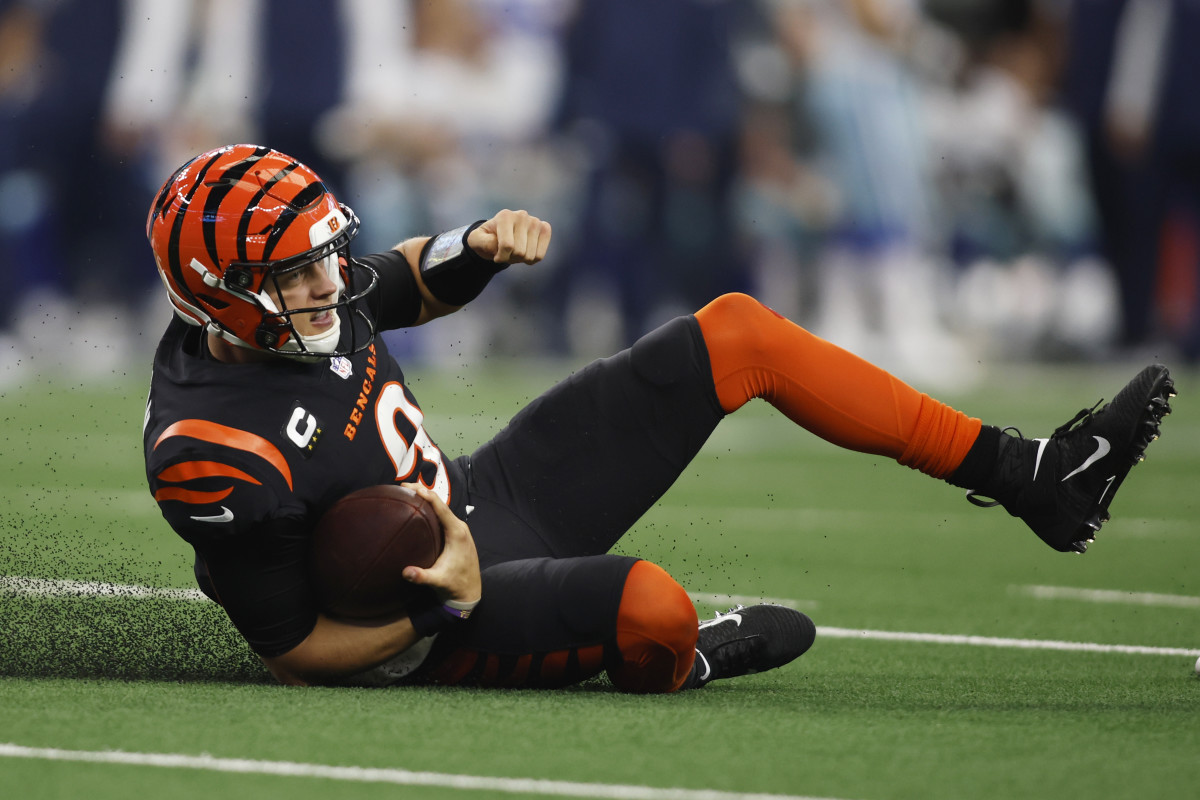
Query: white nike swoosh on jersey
x=1038, y=461
x=225, y=516
x=736, y=618
x=1102, y=448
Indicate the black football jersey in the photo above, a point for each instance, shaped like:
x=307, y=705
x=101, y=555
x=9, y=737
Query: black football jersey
x=229, y=446
x=243, y=459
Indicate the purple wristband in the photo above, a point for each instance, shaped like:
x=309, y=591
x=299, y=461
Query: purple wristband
x=435, y=618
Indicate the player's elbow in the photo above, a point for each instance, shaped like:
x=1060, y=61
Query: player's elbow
x=306, y=664
x=285, y=672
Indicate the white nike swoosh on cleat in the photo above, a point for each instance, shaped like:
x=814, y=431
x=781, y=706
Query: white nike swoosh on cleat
x=707, y=668
x=737, y=618
x=1037, y=463
x=225, y=516
x=1102, y=448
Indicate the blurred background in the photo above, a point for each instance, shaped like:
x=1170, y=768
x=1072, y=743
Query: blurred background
x=938, y=185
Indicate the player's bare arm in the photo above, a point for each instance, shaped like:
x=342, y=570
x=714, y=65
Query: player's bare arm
x=510, y=237
x=337, y=648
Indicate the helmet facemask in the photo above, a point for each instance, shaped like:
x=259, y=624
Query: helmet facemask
x=355, y=282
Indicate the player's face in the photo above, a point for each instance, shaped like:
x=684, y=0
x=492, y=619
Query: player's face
x=306, y=287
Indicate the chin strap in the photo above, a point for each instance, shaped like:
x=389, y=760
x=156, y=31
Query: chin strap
x=314, y=344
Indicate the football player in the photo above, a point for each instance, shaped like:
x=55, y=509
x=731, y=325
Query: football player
x=272, y=397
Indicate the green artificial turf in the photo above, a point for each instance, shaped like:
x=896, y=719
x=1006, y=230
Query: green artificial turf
x=766, y=510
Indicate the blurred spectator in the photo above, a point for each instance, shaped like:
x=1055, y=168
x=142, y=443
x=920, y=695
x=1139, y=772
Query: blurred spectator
x=1130, y=81
x=881, y=272
x=70, y=200
x=651, y=96
x=682, y=148
x=406, y=106
x=1021, y=222
x=446, y=103
x=436, y=91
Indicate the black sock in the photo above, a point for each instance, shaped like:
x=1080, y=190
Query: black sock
x=980, y=461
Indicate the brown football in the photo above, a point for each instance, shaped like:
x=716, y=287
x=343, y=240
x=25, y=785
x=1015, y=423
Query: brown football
x=362, y=544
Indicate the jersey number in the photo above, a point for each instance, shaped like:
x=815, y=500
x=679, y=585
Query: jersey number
x=413, y=453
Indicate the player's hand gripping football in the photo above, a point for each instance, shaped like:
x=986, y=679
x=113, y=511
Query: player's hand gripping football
x=511, y=237
x=455, y=574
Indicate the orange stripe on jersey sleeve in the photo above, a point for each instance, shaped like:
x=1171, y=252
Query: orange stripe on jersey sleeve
x=189, y=470
x=190, y=496
x=230, y=437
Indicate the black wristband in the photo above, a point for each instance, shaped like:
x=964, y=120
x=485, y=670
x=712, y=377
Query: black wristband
x=453, y=272
x=431, y=619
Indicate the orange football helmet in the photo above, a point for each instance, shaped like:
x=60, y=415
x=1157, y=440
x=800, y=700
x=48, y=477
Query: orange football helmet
x=236, y=217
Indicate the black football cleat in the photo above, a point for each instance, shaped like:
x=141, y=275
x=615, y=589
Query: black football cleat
x=743, y=641
x=1062, y=486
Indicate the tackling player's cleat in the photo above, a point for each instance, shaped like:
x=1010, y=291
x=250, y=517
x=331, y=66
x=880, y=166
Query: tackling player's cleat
x=1062, y=486
x=746, y=640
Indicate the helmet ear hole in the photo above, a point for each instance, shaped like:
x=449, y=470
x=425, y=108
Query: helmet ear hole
x=237, y=277
x=266, y=338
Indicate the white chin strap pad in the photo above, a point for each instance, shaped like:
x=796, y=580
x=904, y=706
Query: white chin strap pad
x=325, y=342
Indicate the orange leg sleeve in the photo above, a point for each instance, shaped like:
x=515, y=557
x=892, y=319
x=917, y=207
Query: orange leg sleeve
x=842, y=398
x=656, y=632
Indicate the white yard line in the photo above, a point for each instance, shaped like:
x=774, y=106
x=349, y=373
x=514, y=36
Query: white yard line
x=1108, y=596
x=992, y=641
x=749, y=600
x=44, y=587
x=400, y=777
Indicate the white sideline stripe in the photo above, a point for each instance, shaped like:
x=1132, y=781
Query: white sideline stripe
x=1108, y=596
x=749, y=600
x=44, y=587
x=991, y=641
x=47, y=587
x=401, y=777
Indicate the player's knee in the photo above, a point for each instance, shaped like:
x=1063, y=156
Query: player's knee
x=656, y=632
x=735, y=303
x=738, y=322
